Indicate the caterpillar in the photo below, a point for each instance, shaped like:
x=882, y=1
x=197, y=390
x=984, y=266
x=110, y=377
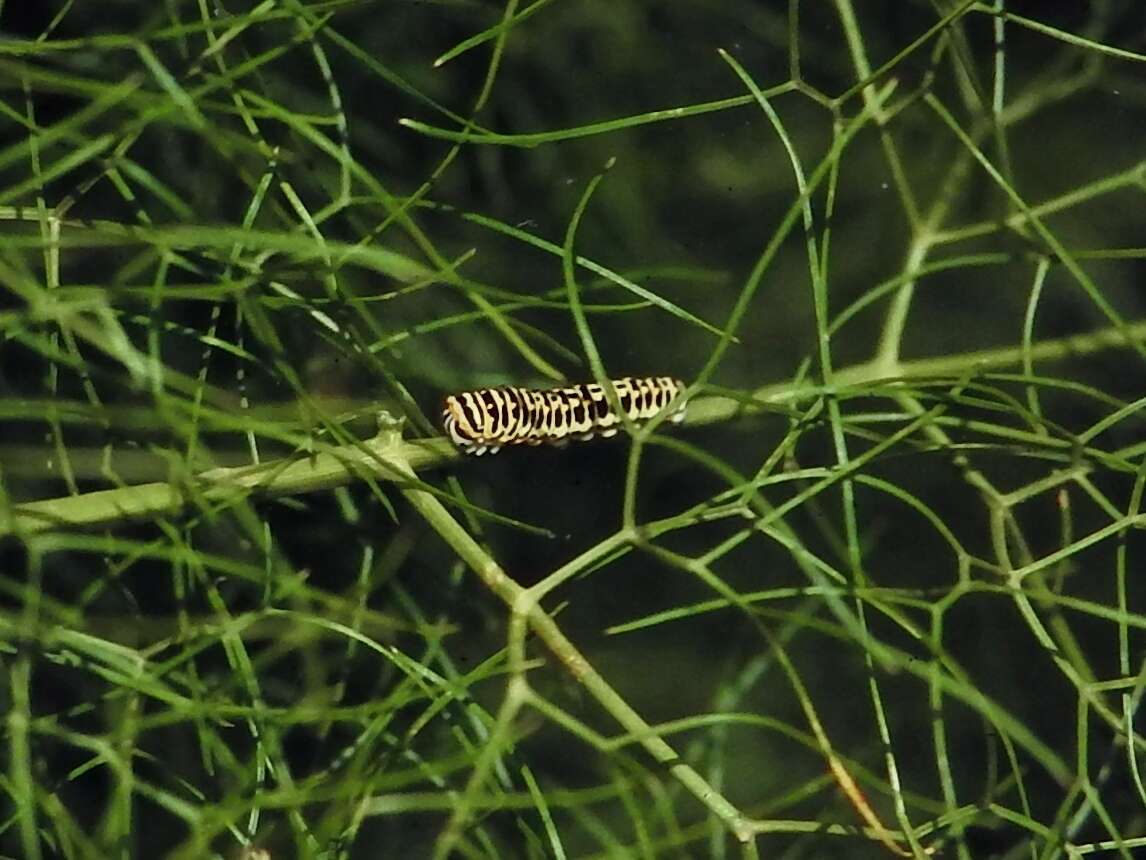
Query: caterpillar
x=488, y=418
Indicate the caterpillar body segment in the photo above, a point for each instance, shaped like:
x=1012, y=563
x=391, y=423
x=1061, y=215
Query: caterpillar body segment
x=488, y=418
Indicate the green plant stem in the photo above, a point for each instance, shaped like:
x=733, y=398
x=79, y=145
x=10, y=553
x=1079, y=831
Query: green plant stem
x=524, y=604
x=337, y=466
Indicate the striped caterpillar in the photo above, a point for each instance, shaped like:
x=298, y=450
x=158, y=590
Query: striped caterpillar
x=488, y=418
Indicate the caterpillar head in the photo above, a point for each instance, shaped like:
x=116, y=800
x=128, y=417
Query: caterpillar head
x=461, y=426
